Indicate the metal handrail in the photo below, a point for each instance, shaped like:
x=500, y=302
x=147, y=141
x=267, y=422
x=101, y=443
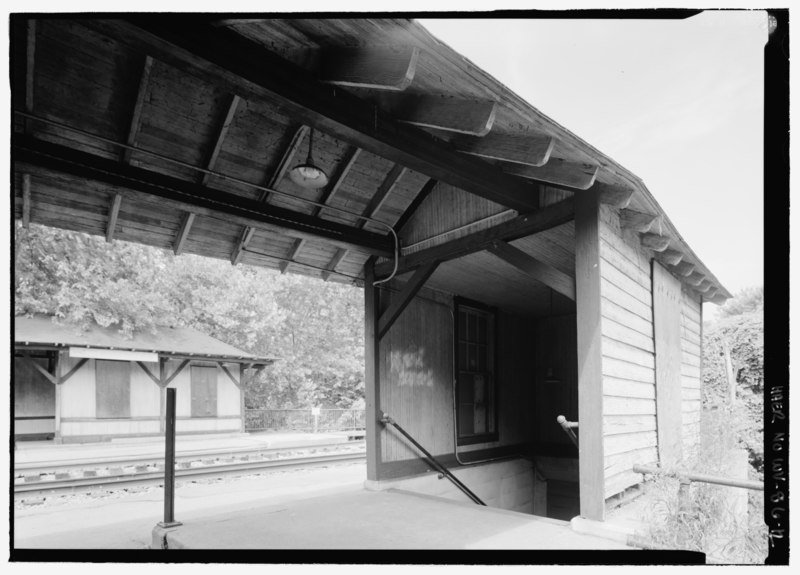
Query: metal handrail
x=686, y=478
x=568, y=426
x=435, y=462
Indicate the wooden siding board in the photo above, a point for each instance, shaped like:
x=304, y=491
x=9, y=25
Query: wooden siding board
x=626, y=352
x=622, y=298
x=614, y=424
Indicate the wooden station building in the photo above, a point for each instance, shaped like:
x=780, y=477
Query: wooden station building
x=512, y=272
x=96, y=385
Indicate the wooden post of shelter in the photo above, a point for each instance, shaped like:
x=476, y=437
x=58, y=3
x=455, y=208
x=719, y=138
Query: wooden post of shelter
x=372, y=371
x=590, y=377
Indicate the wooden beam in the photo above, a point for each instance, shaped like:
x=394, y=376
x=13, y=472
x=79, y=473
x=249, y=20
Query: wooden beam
x=225, y=370
x=529, y=150
x=400, y=301
x=230, y=113
x=695, y=278
x=571, y=175
x=541, y=272
x=327, y=196
x=205, y=201
x=240, y=65
x=136, y=116
x=412, y=207
x=113, y=214
x=50, y=377
x=669, y=257
x=30, y=64
x=149, y=373
x=518, y=227
x=471, y=117
x=655, y=242
x=386, y=187
x=683, y=268
x=335, y=261
x=175, y=373
x=372, y=374
x=590, y=357
x=26, y=200
x=271, y=181
x=636, y=221
x=378, y=68
x=183, y=233
x=614, y=196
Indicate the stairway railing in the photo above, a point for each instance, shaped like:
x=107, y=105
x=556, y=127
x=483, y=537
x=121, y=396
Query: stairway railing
x=568, y=426
x=386, y=419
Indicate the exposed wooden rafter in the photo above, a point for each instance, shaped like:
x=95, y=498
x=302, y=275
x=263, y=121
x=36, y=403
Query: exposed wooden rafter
x=695, y=278
x=636, y=221
x=669, y=256
x=327, y=197
x=242, y=66
x=26, y=200
x=655, y=242
x=30, y=64
x=558, y=172
x=614, y=196
x=401, y=300
x=136, y=116
x=379, y=68
x=520, y=226
x=704, y=286
x=271, y=181
x=335, y=261
x=529, y=150
x=541, y=272
x=32, y=154
x=183, y=233
x=684, y=268
x=375, y=203
x=113, y=214
x=472, y=117
x=227, y=120
x=409, y=212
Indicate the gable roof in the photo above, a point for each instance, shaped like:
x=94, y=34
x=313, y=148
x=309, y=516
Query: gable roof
x=168, y=341
x=178, y=131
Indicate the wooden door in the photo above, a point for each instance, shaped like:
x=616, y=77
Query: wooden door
x=204, y=391
x=666, y=325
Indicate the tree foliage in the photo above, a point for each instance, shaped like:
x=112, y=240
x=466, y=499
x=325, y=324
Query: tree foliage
x=315, y=329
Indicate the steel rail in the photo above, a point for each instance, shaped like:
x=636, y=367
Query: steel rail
x=187, y=456
x=150, y=477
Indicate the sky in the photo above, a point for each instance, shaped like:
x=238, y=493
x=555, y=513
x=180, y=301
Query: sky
x=677, y=102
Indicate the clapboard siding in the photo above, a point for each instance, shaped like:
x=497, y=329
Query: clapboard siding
x=629, y=407
x=691, y=370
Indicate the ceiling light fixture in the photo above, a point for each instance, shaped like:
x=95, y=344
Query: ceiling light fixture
x=308, y=175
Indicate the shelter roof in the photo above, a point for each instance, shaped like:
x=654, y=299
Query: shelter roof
x=181, y=131
x=168, y=341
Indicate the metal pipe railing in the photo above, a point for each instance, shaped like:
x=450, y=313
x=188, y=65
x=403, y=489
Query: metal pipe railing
x=438, y=466
x=568, y=426
x=687, y=478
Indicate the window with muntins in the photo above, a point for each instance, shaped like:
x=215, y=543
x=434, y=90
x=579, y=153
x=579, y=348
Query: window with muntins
x=476, y=395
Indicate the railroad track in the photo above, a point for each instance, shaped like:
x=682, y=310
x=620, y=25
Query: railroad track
x=197, y=469
x=52, y=467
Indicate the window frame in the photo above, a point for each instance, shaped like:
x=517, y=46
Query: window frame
x=490, y=313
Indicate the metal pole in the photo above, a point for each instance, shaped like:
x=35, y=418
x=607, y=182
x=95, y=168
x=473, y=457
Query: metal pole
x=169, y=463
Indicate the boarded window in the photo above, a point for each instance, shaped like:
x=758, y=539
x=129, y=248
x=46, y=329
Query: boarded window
x=204, y=391
x=475, y=388
x=113, y=388
x=666, y=324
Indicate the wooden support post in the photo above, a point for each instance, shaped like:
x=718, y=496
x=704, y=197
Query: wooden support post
x=590, y=378
x=59, y=362
x=113, y=214
x=372, y=371
x=26, y=200
x=169, y=464
x=162, y=376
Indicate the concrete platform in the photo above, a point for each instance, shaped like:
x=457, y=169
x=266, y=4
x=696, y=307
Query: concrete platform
x=390, y=519
x=30, y=452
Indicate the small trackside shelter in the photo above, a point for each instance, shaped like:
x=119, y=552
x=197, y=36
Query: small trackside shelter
x=96, y=385
x=512, y=272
